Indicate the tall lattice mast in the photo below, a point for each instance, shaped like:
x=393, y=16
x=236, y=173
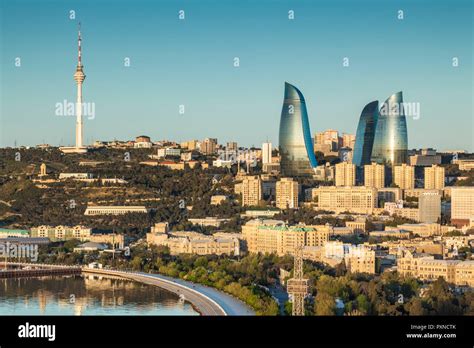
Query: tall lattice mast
x=298, y=286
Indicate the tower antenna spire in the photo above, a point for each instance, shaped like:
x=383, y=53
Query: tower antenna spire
x=79, y=53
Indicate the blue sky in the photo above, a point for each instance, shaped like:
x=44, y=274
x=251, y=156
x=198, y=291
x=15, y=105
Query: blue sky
x=190, y=62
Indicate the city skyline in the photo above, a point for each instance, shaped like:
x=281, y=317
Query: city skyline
x=145, y=98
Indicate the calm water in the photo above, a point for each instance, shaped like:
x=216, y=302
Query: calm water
x=87, y=295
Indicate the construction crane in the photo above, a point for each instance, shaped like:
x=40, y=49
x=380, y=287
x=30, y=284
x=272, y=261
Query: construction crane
x=298, y=286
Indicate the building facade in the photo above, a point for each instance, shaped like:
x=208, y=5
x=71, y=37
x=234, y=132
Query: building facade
x=295, y=143
x=462, y=205
x=391, y=137
x=404, y=176
x=374, y=175
x=345, y=174
x=251, y=191
x=273, y=236
x=365, y=134
x=287, y=193
x=355, y=199
x=434, y=177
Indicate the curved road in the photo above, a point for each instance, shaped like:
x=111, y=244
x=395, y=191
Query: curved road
x=230, y=304
x=206, y=300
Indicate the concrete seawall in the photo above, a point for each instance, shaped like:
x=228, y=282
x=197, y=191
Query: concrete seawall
x=202, y=303
x=206, y=300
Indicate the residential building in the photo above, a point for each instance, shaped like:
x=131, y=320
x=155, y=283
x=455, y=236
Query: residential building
x=404, y=176
x=462, y=205
x=209, y=146
x=287, y=193
x=434, y=177
x=251, y=191
x=273, y=236
x=355, y=199
x=266, y=153
x=374, y=175
x=429, y=206
x=114, y=210
x=345, y=174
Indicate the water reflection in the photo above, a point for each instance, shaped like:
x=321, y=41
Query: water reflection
x=87, y=295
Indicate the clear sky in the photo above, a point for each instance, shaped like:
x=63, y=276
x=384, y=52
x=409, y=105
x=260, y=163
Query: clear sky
x=190, y=62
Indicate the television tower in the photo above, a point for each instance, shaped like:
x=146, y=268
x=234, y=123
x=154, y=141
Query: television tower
x=298, y=286
x=79, y=77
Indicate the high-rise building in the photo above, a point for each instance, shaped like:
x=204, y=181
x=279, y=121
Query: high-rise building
x=434, y=177
x=251, y=191
x=295, y=143
x=266, y=153
x=190, y=144
x=429, y=206
x=462, y=205
x=404, y=176
x=287, y=193
x=374, y=175
x=208, y=146
x=365, y=134
x=348, y=140
x=231, y=146
x=391, y=137
x=345, y=174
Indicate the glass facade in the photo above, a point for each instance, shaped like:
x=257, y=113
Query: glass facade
x=295, y=143
x=365, y=134
x=391, y=138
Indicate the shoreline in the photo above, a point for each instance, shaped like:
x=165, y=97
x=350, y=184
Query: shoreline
x=206, y=301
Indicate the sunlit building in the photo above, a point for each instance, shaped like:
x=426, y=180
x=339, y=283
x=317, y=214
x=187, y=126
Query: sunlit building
x=391, y=137
x=251, y=191
x=434, y=177
x=345, y=174
x=374, y=175
x=404, y=176
x=365, y=134
x=287, y=193
x=295, y=143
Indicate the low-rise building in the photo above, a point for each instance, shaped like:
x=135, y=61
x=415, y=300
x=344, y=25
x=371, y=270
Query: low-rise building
x=9, y=233
x=355, y=199
x=64, y=176
x=357, y=226
x=208, y=221
x=426, y=267
x=218, y=199
x=395, y=233
x=423, y=229
x=61, y=233
x=274, y=236
x=185, y=242
x=114, y=210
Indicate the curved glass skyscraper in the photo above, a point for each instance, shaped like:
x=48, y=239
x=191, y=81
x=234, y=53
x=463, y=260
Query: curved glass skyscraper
x=365, y=134
x=295, y=143
x=391, y=138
